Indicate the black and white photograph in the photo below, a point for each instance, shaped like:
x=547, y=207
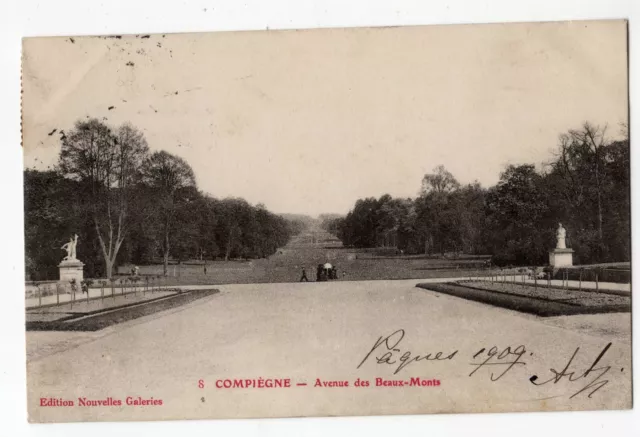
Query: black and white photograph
x=327, y=222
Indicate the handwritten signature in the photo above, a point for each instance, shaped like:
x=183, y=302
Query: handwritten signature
x=572, y=376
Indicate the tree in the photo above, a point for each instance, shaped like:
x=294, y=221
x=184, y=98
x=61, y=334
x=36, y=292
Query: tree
x=582, y=166
x=107, y=165
x=519, y=217
x=436, y=213
x=440, y=181
x=590, y=177
x=170, y=177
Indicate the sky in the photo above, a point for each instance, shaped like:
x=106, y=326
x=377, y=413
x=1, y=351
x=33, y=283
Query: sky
x=309, y=121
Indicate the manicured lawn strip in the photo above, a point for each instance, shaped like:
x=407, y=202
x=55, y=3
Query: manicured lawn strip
x=111, y=316
x=581, y=298
x=79, y=314
x=538, y=306
x=542, y=283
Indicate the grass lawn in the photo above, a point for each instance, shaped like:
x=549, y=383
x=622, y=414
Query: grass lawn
x=95, y=320
x=541, y=301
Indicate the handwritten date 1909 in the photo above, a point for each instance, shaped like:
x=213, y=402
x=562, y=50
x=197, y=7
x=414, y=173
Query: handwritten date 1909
x=507, y=358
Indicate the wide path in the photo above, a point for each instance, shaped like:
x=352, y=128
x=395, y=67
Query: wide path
x=96, y=293
x=323, y=330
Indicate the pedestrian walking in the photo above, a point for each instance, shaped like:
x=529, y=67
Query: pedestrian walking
x=304, y=276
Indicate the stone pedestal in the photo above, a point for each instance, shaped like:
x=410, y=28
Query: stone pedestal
x=561, y=257
x=71, y=269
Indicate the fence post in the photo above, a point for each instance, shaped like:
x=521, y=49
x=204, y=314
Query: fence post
x=39, y=295
x=597, y=287
x=580, y=281
x=57, y=294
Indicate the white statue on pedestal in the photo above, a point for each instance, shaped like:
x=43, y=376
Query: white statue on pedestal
x=70, y=247
x=561, y=234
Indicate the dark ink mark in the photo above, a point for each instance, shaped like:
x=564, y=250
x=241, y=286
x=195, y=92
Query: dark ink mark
x=52, y=132
x=159, y=45
x=153, y=108
x=130, y=64
x=594, y=385
x=124, y=100
x=145, y=36
x=73, y=41
x=479, y=352
x=110, y=108
x=391, y=357
x=176, y=93
x=506, y=354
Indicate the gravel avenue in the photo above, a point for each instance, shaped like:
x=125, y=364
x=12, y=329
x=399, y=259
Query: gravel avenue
x=324, y=330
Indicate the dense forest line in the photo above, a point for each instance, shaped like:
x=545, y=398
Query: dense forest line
x=586, y=187
x=129, y=205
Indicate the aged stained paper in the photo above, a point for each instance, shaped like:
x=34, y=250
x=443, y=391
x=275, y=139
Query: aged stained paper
x=327, y=222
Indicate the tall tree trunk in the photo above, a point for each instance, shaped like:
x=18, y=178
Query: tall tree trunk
x=108, y=267
x=228, y=251
x=599, y=208
x=165, y=262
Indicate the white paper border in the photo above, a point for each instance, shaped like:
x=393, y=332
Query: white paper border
x=89, y=17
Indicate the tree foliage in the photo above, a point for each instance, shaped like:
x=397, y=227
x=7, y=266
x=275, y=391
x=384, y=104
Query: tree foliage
x=130, y=206
x=586, y=188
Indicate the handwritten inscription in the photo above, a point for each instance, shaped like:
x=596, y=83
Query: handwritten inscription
x=392, y=355
x=495, y=361
x=568, y=375
x=505, y=358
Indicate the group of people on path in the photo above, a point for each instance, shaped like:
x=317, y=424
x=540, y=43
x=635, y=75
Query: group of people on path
x=324, y=272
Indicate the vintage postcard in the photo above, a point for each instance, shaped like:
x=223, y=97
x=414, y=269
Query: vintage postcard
x=366, y=221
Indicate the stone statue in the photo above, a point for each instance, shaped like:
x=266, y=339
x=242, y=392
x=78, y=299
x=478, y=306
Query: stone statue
x=70, y=247
x=561, y=234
